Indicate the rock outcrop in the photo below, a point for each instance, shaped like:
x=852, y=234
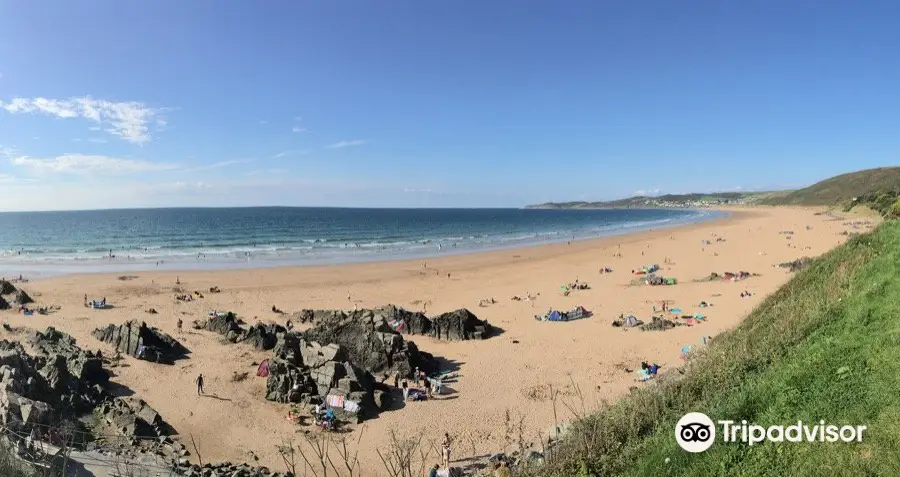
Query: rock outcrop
x=137, y=339
x=22, y=298
x=261, y=335
x=12, y=295
x=58, y=376
x=370, y=341
x=306, y=372
x=6, y=287
x=357, y=347
x=132, y=417
x=456, y=325
x=59, y=384
x=226, y=469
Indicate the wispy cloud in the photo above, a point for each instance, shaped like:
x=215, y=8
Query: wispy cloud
x=299, y=129
x=420, y=191
x=217, y=165
x=291, y=153
x=88, y=164
x=647, y=192
x=178, y=186
x=129, y=120
x=343, y=144
x=263, y=121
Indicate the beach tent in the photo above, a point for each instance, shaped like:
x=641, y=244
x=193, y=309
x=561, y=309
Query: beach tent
x=630, y=321
x=263, y=370
x=671, y=281
x=578, y=313
x=555, y=316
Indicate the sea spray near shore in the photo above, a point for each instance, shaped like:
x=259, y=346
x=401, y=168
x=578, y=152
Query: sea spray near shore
x=54, y=242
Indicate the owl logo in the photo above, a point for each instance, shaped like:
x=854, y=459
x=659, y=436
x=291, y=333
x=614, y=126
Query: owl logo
x=695, y=432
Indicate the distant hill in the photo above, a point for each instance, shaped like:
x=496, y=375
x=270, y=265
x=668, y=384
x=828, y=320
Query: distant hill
x=668, y=200
x=878, y=189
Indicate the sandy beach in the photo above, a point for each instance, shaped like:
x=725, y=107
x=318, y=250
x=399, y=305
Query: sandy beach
x=510, y=372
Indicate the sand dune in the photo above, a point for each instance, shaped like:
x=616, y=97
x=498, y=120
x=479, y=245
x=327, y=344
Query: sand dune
x=512, y=371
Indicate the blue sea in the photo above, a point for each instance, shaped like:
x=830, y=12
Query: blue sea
x=44, y=243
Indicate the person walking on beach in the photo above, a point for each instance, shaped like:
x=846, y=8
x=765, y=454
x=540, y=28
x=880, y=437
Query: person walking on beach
x=445, y=450
x=405, y=389
x=200, y=385
x=180, y=324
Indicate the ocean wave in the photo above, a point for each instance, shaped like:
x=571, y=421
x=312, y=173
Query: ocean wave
x=221, y=242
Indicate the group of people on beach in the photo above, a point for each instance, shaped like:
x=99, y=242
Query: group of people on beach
x=432, y=385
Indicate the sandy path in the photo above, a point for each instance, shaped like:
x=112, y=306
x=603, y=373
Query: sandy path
x=497, y=374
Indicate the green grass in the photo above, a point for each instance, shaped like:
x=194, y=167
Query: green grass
x=780, y=365
x=867, y=185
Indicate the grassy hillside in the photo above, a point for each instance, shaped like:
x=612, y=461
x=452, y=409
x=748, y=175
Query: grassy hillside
x=825, y=346
x=876, y=188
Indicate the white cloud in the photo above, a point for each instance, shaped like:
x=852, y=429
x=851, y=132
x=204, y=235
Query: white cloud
x=291, y=153
x=648, y=192
x=217, y=165
x=178, y=186
x=97, y=140
x=343, y=144
x=298, y=129
x=128, y=120
x=89, y=164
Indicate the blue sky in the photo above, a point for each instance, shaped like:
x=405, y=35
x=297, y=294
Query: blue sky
x=435, y=103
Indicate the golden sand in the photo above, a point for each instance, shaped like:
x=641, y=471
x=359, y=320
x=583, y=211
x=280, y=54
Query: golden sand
x=512, y=371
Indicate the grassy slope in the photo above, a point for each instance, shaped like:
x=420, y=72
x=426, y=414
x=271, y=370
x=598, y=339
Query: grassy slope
x=778, y=366
x=843, y=188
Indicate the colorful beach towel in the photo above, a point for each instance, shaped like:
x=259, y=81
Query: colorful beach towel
x=334, y=401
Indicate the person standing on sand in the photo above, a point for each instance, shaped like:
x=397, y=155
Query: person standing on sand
x=405, y=391
x=200, y=385
x=180, y=324
x=445, y=450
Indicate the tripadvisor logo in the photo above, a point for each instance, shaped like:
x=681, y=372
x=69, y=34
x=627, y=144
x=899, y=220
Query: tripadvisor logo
x=696, y=432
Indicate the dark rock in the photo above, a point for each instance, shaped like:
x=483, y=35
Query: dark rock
x=458, y=325
x=82, y=365
x=130, y=336
x=6, y=287
x=260, y=335
x=4, y=305
x=461, y=324
x=22, y=298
